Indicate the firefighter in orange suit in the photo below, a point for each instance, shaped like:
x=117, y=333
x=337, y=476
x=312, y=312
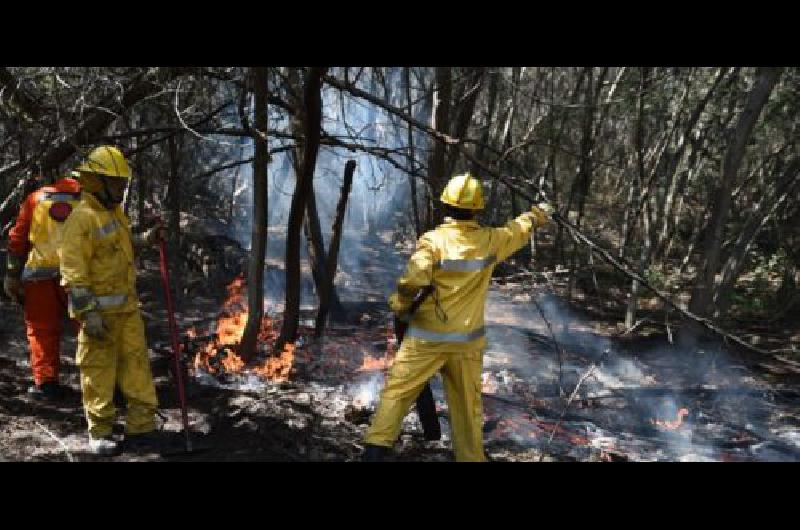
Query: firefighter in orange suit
x=32, y=278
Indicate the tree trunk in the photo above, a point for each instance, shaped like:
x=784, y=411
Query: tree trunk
x=440, y=121
x=312, y=102
x=672, y=183
x=465, y=113
x=550, y=168
x=772, y=200
x=316, y=254
x=258, y=236
x=705, y=284
x=630, y=312
x=333, y=251
x=412, y=180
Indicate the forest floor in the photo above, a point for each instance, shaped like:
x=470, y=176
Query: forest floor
x=645, y=399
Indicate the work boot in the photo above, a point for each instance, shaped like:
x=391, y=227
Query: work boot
x=105, y=446
x=48, y=390
x=374, y=453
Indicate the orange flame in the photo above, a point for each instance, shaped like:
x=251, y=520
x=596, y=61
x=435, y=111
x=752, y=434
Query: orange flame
x=278, y=368
x=371, y=364
x=230, y=328
x=232, y=362
x=672, y=425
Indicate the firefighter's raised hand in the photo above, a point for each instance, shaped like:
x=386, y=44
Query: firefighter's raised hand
x=13, y=288
x=542, y=212
x=156, y=234
x=94, y=325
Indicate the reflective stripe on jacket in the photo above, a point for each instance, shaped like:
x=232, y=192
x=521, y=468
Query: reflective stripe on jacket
x=458, y=258
x=97, y=253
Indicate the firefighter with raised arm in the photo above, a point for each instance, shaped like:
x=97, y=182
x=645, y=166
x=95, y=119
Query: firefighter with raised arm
x=32, y=278
x=446, y=333
x=97, y=268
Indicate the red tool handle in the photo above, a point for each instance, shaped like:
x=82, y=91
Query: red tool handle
x=173, y=331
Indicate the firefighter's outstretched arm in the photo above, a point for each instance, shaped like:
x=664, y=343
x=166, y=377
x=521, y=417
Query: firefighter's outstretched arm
x=516, y=233
x=418, y=275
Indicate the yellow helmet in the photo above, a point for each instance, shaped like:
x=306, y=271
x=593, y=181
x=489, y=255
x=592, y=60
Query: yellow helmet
x=463, y=191
x=106, y=160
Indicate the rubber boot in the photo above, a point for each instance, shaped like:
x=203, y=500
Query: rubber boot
x=105, y=446
x=48, y=390
x=374, y=453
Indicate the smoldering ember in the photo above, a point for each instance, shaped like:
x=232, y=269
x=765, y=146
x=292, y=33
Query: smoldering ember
x=514, y=264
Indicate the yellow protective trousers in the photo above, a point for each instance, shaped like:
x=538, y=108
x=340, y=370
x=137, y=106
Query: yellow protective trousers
x=461, y=374
x=119, y=359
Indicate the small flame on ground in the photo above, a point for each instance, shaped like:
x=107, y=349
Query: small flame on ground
x=232, y=362
x=278, y=368
x=371, y=364
x=672, y=425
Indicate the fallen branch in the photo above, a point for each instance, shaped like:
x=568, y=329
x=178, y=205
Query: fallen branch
x=583, y=378
x=57, y=439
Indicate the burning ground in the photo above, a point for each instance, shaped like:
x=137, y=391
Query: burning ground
x=641, y=400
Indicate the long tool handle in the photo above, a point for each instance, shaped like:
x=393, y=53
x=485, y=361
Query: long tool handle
x=173, y=331
x=426, y=405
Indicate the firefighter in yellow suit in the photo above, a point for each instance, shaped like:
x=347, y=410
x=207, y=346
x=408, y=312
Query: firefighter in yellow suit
x=446, y=333
x=97, y=269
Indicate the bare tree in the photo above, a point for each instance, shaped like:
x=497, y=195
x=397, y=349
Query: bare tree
x=255, y=274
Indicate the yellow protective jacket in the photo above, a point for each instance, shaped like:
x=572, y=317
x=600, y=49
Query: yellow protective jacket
x=97, y=254
x=39, y=227
x=457, y=258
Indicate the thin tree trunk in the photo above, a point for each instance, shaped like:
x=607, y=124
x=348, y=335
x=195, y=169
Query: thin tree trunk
x=316, y=253
x=491, y=107
x=412, y=180
x=333, y=251
x=258, y=236
x=672, y=184
x=583, y=179
x=440, y=114
x=551, y=162
x=312, y=103
x=465, y=113
x=630, y=312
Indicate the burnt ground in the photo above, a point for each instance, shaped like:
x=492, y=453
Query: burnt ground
x=739, y=406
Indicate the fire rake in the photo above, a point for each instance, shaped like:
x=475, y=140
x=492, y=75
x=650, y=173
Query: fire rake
x=173, y=331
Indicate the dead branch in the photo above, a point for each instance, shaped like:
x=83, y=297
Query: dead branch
x=583, y=378
x=57, y=439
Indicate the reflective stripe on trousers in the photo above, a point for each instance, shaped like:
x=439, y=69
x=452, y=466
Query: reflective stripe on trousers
x=445, y=337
